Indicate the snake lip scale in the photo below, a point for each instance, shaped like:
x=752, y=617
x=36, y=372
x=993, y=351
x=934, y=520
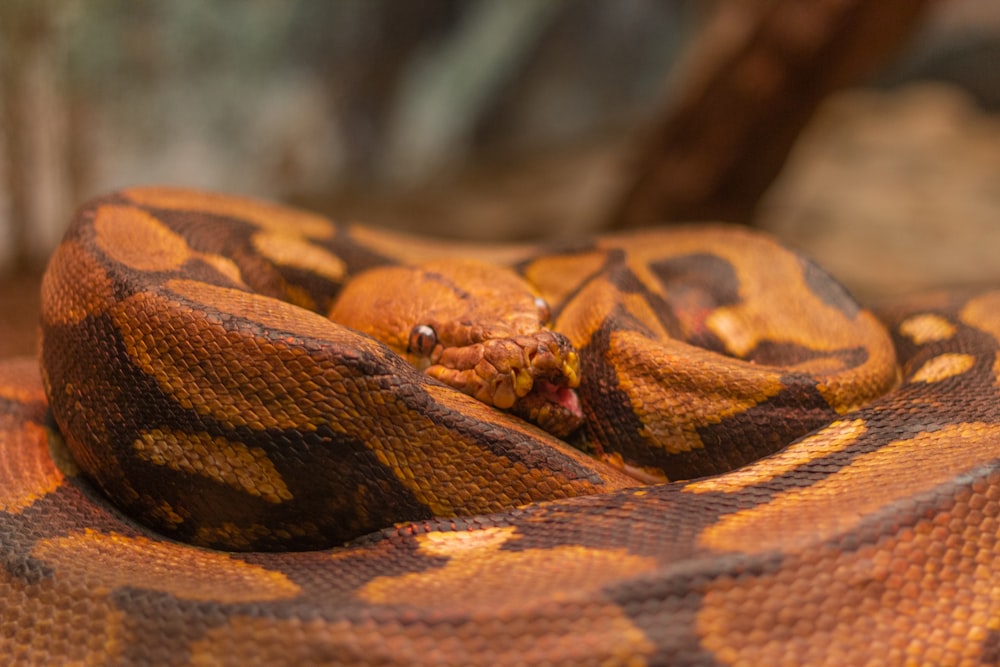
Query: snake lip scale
x=684, y=446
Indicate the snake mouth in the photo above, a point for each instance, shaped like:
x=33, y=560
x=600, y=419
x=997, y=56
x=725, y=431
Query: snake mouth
x=533, y=376
x=553, y=408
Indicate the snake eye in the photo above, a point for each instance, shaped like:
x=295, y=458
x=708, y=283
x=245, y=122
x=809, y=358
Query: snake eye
x=544, y=312
x=422, y=340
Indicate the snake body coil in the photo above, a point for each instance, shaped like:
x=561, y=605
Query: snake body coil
x=208, y=365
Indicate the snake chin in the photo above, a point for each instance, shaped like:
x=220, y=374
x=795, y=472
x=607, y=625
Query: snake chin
x=552, y=407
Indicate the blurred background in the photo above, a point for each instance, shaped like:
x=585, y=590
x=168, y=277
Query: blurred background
x=861, y=131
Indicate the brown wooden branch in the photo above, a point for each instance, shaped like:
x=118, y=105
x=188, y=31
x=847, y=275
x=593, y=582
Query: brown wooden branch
x=755, y=76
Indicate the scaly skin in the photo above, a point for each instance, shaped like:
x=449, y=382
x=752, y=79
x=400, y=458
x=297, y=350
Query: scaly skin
x=184, y=378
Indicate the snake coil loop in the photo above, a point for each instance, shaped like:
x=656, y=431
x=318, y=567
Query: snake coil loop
x=261, y=437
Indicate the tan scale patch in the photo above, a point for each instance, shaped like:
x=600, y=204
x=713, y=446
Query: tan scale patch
x=943, y=367
x=983, y=312
x=768, y=315
x=459, y=542
x=28, y=472
x=834, y=505
x=223, y=265
x=264, y=214
x=113, y=561
x=589, y=635
x=482, y=578
x=775, y=315
x=853, y=388
x=584, y=314
x=74, y=287
x=844, y=389
x=556, y=276
x=427, y=465
x=138, y=240
x=230, y=463
x=59, y=621
x=926, y=595
x=410, y=249
x=733, y=327
x=237, y=378
x=133, y=237
x=764, y=314
x=588, y=310
x=927, y=328
x=705, y=388
x=286, y=250
x=479, y=573
x=245, y=380
x=269, y=312
x=833, y=438
x=639, y=308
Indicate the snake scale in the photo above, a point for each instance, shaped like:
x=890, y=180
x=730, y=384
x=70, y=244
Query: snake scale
x=259, y=437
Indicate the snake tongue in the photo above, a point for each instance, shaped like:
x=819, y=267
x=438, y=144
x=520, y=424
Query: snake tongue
x=564, y=397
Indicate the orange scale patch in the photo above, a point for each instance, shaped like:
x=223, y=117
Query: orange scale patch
x=266, y=215
x=50, y=623
x=271, y=313
x=442, y=486
x=136, y=239
x=414, y=249
x=926, y=595
x=943, y=367
x=558, y=275
x=244, y=381
x=595, y=634
x=230, y=463
x=983, y=312
x=480, y=574
x=74, y=287
x=287, y=250
x=106, y=562
x=927, y=328
x=833, y=438
x=836, y=504
x=28, y=473
x=703, y=390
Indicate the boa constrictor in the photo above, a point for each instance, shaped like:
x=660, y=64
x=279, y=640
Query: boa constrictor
x=286, y=490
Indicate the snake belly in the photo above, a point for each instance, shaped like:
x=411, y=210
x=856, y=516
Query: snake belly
x=186, y=374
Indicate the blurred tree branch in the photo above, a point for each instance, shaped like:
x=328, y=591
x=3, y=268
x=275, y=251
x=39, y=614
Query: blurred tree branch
x=36, y=138
x=756, y=74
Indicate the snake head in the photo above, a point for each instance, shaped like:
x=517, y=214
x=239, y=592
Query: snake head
x=476, y=327
x=533, y=375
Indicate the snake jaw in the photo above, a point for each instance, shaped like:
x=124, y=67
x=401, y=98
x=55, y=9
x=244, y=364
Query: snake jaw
x=551, y=401
x=532, y=375
x=553, y=408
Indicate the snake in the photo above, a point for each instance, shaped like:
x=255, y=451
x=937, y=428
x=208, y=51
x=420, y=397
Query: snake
x=253, y=435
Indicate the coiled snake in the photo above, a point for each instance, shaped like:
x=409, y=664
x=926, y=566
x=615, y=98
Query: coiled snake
x=843, y=502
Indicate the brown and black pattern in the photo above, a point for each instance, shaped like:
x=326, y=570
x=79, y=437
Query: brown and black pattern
x=869, y=540
x=707, y=348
